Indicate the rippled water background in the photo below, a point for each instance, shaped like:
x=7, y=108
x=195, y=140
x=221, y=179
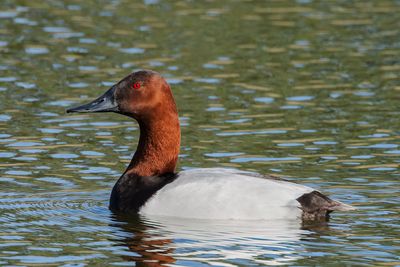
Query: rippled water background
x=305, y=89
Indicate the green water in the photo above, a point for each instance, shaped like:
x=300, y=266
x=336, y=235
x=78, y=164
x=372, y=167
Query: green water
x=304, y=89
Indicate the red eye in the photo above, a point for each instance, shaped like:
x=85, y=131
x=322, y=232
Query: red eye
x=136, y=85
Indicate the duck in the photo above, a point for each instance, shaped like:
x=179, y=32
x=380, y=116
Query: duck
x=150, y=185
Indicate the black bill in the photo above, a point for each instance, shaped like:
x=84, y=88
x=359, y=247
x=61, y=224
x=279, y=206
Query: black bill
x=105, y=103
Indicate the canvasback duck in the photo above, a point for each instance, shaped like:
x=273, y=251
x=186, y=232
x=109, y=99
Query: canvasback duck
x=150, y=185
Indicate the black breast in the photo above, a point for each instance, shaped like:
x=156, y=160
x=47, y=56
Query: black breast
x=131, y=192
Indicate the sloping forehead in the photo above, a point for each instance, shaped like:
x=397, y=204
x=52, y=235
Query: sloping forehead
x=142, y=77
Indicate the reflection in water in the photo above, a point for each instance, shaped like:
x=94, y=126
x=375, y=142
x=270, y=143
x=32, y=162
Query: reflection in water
x=158, y=241
x=147, y=242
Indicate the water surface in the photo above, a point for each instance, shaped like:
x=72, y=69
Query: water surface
x=307, y=90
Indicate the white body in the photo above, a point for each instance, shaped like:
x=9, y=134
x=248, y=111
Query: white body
x=218, y=193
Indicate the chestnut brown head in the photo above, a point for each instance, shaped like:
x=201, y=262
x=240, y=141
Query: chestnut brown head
x=139, y=95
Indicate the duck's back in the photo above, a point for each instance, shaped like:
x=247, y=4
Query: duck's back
x=226, y=194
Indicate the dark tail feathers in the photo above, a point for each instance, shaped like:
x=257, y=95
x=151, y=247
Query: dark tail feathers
x=317, y=206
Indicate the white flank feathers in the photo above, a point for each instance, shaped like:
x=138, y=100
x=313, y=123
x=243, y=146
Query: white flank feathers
x=218, y=193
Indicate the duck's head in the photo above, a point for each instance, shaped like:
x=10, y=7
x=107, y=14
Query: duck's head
x=145, y=96
x=141, y=95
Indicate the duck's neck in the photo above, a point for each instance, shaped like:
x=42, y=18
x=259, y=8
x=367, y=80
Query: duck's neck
x=158, y=148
